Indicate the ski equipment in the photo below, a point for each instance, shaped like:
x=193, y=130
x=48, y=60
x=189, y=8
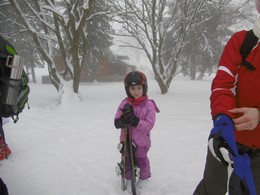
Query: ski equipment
x=127, y=150
x=135, y=78
x=248, y=44
x=130, y=151
x=14, y=89
x=120, y=168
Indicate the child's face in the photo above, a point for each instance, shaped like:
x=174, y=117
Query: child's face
x=136, y=91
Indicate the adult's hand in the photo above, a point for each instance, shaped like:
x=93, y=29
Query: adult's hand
x=248, y=120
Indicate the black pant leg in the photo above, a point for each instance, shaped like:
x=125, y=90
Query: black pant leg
x=255, y=167
x=214, y=180
x=3, y=188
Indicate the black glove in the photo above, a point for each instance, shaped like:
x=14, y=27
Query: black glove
x=128, y=116
x=122, y=122
x=128, y=111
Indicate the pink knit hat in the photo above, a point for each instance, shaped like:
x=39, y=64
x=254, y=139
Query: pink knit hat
x=257, y=5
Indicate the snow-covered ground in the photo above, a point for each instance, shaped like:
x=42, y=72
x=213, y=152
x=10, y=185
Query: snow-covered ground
x=71, y=149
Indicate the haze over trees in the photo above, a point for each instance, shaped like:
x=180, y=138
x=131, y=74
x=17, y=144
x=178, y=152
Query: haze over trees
x=181, y=36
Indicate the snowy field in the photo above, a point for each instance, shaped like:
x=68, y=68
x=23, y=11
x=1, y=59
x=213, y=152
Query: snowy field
x=71, y=149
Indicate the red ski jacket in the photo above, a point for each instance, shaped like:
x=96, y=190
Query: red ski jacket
x=236, y=86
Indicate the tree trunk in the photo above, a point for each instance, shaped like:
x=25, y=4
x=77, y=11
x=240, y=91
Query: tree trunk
x=76, y=78
x=53, y=77
x=192, y=72
x=162, y=85
x=33, y=73
x=201, y=75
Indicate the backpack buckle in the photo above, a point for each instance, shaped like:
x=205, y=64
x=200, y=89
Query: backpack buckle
x=15, y=63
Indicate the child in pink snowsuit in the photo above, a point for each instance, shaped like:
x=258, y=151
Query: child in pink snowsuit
x=140, y=119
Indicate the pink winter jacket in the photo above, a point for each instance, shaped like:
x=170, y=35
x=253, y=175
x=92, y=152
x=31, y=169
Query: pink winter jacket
x=146, y=112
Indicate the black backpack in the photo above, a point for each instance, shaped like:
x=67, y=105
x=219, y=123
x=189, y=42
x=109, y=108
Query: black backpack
x=248, y=44
x=14, y=89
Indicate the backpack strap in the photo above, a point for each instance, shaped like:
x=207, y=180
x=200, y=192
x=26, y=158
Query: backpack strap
x=6, y=48
x=248, y=44
x=3, y=53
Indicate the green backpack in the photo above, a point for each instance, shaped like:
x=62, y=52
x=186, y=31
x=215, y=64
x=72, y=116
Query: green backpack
x=14, y=89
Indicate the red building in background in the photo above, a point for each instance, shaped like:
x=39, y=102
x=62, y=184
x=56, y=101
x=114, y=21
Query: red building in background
x=111, y=68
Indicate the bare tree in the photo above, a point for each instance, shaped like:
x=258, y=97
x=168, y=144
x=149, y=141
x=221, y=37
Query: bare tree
x=220, y=21
x=153, y=24
x=17, y=35
x=58, y=28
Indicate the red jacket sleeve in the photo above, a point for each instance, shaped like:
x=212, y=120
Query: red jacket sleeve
x=223, y=89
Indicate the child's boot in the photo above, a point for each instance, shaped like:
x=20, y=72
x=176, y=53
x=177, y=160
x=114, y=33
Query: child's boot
x=4, y=150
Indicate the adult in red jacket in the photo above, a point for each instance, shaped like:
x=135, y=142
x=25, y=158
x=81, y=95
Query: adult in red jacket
x=236, y=97
x=236, y=91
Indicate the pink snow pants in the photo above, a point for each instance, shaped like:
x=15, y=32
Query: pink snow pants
x=142, y=162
